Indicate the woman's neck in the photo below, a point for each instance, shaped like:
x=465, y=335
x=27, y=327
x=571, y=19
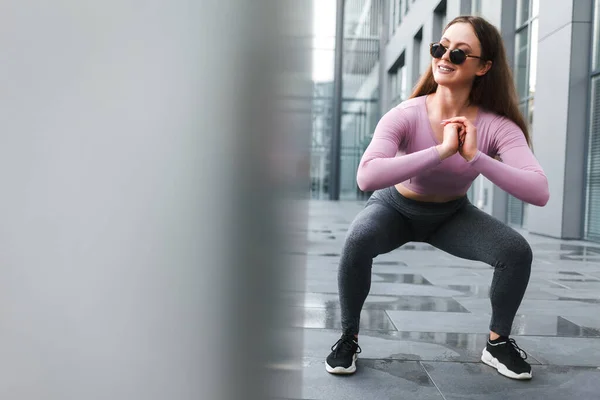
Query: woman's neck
x=450, y=103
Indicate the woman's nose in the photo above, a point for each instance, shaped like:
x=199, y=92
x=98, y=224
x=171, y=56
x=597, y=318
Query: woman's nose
x=446, y=55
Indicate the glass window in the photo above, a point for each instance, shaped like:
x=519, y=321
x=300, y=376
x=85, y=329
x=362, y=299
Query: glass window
x=596, y=38
x=417, y=44
x=439, y=21
x=403, y=82
x=523, y=109
x=533, y=57
x=521, y=61
x=399, y=13
x=522, y=12
x=393, y=16
x=529, y=121
x=398, y=86
x=592, y=225
x=526, y=48
x=515, y=211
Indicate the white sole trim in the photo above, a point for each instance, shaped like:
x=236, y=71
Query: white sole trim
x=341, y=370
x=493, y=362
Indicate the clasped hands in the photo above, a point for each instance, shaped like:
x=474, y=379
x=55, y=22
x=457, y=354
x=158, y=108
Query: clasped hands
x=460, y=135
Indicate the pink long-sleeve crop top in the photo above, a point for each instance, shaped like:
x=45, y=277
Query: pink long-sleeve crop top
x=402, y=150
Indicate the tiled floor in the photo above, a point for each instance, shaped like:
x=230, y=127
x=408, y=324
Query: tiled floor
x=425, y=322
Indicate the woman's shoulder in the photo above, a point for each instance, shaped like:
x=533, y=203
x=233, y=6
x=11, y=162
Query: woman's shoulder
x=409, y=109
x=403, y=117
x=495, y=122
x=412, y=103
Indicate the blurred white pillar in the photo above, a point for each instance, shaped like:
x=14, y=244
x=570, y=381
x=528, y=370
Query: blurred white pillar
x=141, y=195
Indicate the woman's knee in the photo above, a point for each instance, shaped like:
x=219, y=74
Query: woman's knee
x=515, y=251
x=362, y=236
x=522, y=250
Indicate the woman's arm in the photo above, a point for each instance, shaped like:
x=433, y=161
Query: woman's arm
x=519, y=173
x=379, y=167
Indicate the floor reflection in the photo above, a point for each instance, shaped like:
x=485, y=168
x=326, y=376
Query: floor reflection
x=402, y=278
x=389, y=263
x=531, y=326
x=591, y=301
x=418, y=303
x=330, y=318
x=582, y=279
x=374, y=302
x=419, y=246
x=567, y=328
x=468, y=341
x=476, y=291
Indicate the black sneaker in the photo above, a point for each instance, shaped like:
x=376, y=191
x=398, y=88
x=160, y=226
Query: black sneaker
x=507, y=358
x=342, y=359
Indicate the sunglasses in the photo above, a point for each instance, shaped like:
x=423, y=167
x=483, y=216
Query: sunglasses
x=457, y=56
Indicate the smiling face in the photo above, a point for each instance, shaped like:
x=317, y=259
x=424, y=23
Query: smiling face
x=459, y=36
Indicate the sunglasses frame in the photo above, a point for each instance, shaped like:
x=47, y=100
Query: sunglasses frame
x=453, y=53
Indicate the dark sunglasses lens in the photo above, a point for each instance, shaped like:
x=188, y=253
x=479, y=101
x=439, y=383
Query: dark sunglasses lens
x=457, y=56
x=437, y=50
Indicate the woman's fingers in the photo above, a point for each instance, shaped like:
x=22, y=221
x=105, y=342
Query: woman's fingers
x=460, y=120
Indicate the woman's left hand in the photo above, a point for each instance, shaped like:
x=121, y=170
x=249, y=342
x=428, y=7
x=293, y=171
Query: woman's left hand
x=468, y=149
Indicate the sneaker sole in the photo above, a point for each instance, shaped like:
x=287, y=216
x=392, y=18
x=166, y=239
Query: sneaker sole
x=493, y=362
x=341, y=370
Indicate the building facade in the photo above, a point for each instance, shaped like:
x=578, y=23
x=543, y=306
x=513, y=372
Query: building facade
x=554, y=50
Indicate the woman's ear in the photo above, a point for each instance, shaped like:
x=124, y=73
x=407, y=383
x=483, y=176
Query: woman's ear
x=484, y=68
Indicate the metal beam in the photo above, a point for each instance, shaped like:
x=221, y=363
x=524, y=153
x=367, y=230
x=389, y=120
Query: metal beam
x=336, y=132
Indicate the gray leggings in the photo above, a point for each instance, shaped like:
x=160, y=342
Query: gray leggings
x=390, y=220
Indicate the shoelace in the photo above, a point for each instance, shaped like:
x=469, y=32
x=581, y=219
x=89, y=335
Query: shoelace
x=347, y=343
x=518, y=349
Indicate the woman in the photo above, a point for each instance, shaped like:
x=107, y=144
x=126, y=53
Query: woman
x=461, y=121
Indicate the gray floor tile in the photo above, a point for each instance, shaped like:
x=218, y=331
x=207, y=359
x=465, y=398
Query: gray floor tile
x=440, y=322
x=459, y=278
x=589, y=321
x=479, y=323
x=374, y=302
x=550, y=326
x=413, y=279
x=581, y=285
x=575, y=294
x=562, y=351
x=384, y=288
x=374, y=379
x=400, y=289
x=478, y=381
x=469, y=290
x=330, y=318
x=537, y=307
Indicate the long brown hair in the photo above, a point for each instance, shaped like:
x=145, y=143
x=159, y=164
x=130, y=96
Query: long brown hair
x=494, y=91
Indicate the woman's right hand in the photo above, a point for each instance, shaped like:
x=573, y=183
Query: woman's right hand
x=451, y=140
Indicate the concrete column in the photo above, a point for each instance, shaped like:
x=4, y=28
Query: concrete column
x=384, y=84
x=488, y=197
x=561, y=114
x=506, y=24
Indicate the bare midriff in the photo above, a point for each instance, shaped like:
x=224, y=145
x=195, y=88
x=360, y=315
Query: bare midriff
x=430, y=198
